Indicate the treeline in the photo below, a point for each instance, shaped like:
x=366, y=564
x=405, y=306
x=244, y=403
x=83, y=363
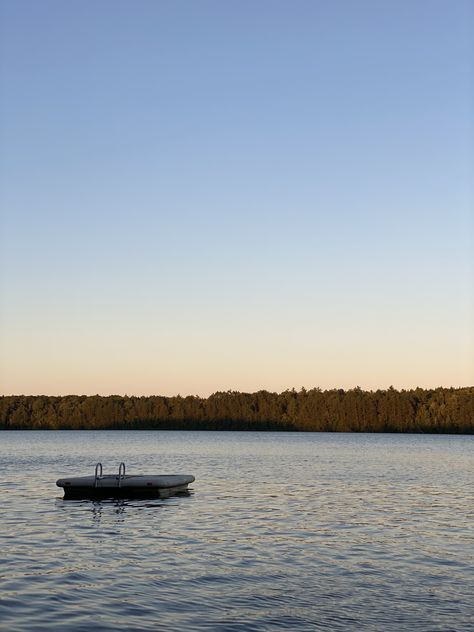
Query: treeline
x=441, y=410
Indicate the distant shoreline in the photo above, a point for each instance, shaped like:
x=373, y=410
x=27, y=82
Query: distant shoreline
x=430, y=411
x=279, y=431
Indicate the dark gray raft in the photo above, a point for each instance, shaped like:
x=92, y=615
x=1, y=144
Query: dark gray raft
x=122, y=485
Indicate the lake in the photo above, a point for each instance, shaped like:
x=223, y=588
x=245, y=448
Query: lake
x=294, y=531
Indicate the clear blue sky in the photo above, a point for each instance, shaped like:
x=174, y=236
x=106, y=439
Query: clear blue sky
x=208, y=195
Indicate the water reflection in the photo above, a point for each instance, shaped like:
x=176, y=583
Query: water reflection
x=118, y=509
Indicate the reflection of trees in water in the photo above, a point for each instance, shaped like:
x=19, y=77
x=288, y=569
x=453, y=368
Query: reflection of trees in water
x=355, y=410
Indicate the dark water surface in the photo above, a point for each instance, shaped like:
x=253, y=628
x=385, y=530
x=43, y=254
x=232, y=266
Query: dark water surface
x=282, y=531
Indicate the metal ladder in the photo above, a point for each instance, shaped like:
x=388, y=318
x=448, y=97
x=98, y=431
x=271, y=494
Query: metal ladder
x=99, y=474
x=121, y=474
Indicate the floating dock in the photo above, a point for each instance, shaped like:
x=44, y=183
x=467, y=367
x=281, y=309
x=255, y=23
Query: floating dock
x=123, y=485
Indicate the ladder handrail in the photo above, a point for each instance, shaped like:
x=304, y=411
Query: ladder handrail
x=98, y=474
x=121, y=474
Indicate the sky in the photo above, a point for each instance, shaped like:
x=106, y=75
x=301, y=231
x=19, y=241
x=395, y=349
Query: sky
x=204, y=195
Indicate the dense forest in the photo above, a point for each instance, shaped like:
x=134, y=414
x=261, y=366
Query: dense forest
x=441, y=410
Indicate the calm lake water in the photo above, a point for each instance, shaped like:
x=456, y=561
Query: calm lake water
x=281, y=531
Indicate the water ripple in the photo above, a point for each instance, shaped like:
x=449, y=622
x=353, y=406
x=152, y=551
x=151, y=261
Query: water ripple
x=280, y=532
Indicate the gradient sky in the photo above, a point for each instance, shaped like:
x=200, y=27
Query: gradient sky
x=207, y=195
